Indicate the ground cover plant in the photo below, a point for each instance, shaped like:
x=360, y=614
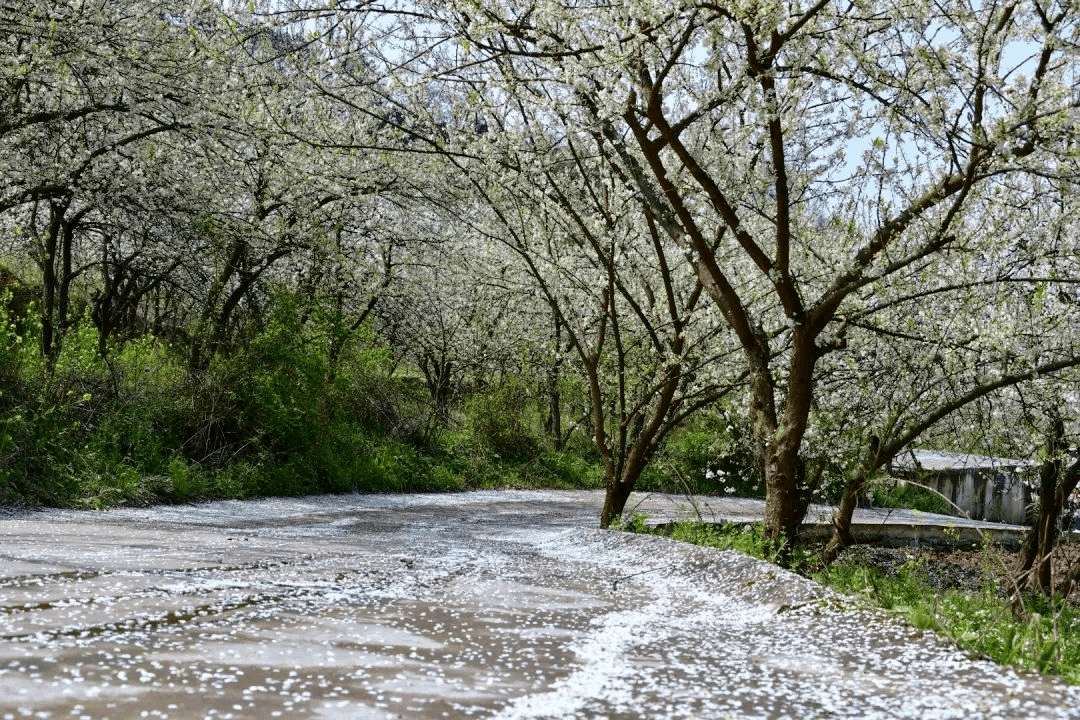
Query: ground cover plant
x=967, y=598
x=962, y=594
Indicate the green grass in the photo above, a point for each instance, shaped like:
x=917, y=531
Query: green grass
x=1047, y=641
x=359, y=462
x=912, y=497
x=981, y=623
x=745, y=538
x=267, y=418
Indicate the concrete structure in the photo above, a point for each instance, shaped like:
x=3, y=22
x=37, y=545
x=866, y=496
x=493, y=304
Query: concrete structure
x=885, y=527
x=983, y=488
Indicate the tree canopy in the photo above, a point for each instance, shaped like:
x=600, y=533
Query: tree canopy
x=849, y=222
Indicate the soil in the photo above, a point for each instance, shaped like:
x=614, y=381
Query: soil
x=968, y=570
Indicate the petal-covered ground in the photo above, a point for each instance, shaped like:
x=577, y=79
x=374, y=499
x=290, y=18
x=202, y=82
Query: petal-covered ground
x=489, y=604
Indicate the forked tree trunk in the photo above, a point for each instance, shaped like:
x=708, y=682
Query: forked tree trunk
x=622, y=473
x=624, y=463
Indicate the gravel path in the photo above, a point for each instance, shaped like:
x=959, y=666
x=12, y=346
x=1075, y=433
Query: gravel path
x=490, y=604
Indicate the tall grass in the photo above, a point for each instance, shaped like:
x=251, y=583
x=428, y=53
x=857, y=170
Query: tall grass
x=1047, y=641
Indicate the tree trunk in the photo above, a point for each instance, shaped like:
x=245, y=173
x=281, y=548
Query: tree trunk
x=785, y=500
x=553, y=422
x=781, y=525
x=214, y=322
x=202, y=348
x=438, y=378
x=618, y=492
x=1048, y=531
x=623, y=464
x=63, y=296
x=842, y=536
x=49, y=286
x=1034, y=569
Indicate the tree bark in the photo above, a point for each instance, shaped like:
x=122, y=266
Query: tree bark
x=57, y=272
x=553, y=422
x=615, y=498
x=1034, y=569
x=842, y=536
x=786, y=500
x=50, y=333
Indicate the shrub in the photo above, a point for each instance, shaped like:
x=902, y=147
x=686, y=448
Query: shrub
x=710, y=457
x=500, y=418
x=272, y=417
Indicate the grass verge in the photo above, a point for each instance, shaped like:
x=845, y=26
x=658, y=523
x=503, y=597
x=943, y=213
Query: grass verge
x=980, y=622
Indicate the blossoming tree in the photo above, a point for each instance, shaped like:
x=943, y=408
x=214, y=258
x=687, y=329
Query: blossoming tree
x=815, y=162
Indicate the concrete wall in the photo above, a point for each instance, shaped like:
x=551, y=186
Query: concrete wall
x=983, y=494
x=991, y=489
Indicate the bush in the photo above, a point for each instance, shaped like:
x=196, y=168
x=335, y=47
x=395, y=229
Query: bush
x=710, y=457
x=272, y=417
x=500, y=418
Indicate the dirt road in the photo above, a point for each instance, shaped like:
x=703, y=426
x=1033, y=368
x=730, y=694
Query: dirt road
x=488, y=605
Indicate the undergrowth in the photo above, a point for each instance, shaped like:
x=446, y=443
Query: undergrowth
x=277, y=415
x=981, y=623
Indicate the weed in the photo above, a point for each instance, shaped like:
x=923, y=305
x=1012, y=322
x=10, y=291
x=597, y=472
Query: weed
x=632, y=523
x=747, y=538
